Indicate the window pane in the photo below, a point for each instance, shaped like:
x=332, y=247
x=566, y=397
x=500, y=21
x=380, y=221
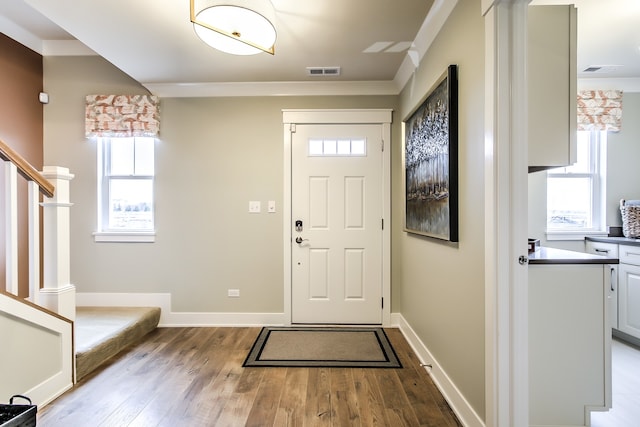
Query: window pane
x=121, y=156
x=337, y=147
x=330, y=147
x=131, y=204
x=357, y=147
x=344, y=147
x=569, y=202
x=315, y=147
x=144, y=156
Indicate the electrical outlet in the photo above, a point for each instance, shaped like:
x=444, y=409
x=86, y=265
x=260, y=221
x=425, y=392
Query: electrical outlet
x=254, y=207
x=233, y=293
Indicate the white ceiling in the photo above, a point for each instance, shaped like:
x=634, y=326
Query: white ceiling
x=153, y=41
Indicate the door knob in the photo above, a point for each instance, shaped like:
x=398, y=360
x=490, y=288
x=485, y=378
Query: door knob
x=299, y=240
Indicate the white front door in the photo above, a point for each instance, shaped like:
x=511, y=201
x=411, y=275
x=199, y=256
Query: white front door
x=336, y=203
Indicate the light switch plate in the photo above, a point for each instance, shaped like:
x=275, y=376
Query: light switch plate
x=271, y=208
x=254, y=207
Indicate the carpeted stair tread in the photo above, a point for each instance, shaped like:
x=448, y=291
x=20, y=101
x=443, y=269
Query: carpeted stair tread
x=102, y=332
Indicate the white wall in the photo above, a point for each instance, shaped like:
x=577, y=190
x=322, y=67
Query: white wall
x=623, y=176
x=439, y=287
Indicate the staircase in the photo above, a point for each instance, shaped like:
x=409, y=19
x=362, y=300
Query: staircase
x=37, y=306
x=43, y=319
x=103, y=332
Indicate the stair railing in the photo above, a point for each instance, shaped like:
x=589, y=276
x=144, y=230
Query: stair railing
x=37, y=183
x=57, y=293
x=48, y=311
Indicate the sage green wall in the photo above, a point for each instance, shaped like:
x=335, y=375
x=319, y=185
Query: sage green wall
x=439, y=287
x=213, y=156
x=623, y=176
x=22, y=363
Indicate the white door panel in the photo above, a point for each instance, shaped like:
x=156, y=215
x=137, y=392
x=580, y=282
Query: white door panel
x=337, y=194
x=629, y=299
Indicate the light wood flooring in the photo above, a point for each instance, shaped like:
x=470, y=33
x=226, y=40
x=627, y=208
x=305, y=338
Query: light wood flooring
x=625, y=386
x=194, y=377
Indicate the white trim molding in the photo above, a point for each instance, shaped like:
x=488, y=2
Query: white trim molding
x=125, y=237
x=169, y=318
x=506, y=194
x=293, y=88
x=460, y=406
x=382, y=117
x=57, y=293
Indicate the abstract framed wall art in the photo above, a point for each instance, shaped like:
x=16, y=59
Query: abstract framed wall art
x=430, y=160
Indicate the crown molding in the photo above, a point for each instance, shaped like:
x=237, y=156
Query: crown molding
x=292, y=88
x=433, y=23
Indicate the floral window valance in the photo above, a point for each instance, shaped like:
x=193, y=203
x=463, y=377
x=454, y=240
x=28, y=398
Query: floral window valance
x=122, y=115
x=600, y=110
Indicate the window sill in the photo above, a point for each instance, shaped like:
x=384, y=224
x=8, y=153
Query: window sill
x=125, y=236
x=573, y=235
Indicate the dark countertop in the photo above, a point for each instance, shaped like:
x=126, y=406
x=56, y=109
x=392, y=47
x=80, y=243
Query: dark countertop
x=615, y=240
x=548, y=256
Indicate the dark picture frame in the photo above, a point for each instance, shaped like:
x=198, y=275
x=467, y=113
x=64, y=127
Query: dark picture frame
x=430, y=162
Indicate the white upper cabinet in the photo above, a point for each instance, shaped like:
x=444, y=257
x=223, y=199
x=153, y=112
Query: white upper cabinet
x=552, y=85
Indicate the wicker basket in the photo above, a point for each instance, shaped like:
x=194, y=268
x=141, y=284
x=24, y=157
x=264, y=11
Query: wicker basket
x=630, y=220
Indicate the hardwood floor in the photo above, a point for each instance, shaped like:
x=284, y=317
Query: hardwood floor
x=194, y=377
x=625, y=386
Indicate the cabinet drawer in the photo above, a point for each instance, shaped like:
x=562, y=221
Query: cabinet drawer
x=629, y=254
x=606, y=249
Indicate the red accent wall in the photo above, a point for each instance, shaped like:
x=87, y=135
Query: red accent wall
x=21, y=127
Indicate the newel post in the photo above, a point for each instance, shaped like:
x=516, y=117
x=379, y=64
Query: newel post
x=57, y=293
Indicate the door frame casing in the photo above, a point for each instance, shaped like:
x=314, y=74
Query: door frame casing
x=382, y=117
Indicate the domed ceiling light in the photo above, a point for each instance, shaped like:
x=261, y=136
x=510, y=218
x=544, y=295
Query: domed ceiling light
x=236, y=28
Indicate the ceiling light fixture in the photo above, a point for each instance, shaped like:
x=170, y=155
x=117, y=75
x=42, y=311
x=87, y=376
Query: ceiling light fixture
x=234, y=28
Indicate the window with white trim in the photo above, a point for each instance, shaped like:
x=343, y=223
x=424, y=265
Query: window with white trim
x=576, y=194
x=338, y=147
x=125, y=187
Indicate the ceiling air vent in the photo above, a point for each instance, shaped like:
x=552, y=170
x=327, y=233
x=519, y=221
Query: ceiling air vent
x=602, y=69
x=323, y=71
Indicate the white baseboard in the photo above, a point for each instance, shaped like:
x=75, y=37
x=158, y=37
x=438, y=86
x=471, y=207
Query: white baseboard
x=463, y=410
x=170, y=318
x=50, y=389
